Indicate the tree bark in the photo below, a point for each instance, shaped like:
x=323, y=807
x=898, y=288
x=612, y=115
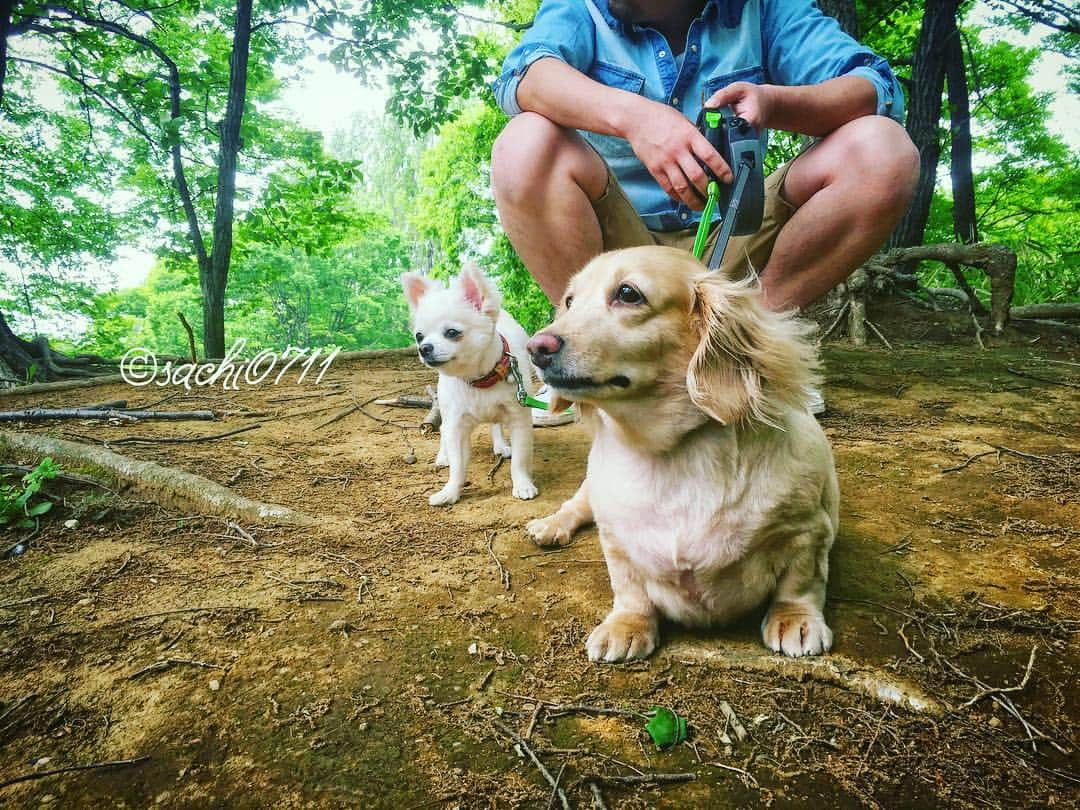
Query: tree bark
x=6, y=7
x=924, y=114
x=963, y=183
x=214, y=282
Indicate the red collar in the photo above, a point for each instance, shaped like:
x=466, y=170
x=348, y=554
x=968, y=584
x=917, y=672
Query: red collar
x=497, y=374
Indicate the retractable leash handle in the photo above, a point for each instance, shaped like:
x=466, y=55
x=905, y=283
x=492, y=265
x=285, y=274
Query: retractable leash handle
x=743, y=202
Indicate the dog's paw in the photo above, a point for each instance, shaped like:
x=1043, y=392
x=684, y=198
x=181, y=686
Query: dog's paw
x=502, y=450
x=796, y=630
x=550, y=531
x=623, y=637
x=526, y=490
x=444, y=497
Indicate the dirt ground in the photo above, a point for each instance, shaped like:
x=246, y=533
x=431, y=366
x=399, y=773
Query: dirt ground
x=380, y=658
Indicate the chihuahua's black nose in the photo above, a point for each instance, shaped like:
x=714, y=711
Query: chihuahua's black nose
x=426, y=350
x=543, y=347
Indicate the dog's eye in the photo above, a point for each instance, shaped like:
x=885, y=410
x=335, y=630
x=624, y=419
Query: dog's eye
x=628, y=295
x=451, y=333
x=569, y=300
x=419, y=337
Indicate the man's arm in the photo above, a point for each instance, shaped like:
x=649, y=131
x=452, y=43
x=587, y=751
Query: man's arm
x=664, y=139
x=815, y=109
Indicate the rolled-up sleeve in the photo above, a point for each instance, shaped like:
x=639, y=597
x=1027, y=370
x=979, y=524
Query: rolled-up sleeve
x=562, y=29
x=804, y=46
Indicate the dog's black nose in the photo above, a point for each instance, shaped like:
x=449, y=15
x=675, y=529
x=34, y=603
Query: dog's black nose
x=543, y=347
x=426, y=350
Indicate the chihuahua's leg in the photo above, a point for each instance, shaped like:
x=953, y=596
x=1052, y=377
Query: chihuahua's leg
x=631, y=630
x=521, y=439
x=794, y=623
x=456, y=434
x=499, y=445
x=442, y=460
x=557, y=529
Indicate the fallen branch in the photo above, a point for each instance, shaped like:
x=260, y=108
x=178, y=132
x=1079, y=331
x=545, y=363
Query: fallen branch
x=115, y=763
x=44, y=414
x=166, y=484
x=406, y=401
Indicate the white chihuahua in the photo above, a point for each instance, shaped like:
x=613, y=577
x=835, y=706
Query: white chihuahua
x=462, y=333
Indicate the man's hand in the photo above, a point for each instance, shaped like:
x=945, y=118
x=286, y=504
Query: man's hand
x=751, y=102
x=669, y=145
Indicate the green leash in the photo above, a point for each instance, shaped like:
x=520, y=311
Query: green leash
x=713, y=119
x=523, y=398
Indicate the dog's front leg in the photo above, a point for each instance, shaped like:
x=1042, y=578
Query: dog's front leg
x=557, y=529
x=456, y=434
x=521, y=440
x=795, y=624
x=631, y=629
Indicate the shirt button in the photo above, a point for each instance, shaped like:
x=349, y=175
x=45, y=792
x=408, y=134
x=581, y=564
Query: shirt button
x=693, y=49
x=684, y=215
x=675, y=102
x=662, y=54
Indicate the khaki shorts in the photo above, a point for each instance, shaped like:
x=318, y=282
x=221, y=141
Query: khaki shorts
x=622, y=227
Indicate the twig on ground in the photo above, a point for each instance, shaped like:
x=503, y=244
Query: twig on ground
x=167, y=663
x=747, y=777
x=643, y=779
x=877, y=332
x=524, y=746
x=1018, y=373
x=839, y=317
x=405, y=401
x=115, y=763
x=495, y=468
x=597, y=796
x=555, y=787
x=173, y=440
x=1000, y=690
x=504, y=575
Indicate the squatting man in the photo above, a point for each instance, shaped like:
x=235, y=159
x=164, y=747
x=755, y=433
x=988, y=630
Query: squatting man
x=602, y=150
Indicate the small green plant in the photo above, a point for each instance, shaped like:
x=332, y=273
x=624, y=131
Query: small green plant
x=31, y=373
x=15, y=507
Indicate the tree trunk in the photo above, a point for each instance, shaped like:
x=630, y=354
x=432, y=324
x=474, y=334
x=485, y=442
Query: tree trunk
x=215, y=280
x=843, y=11
x=6, y=7
x=924, y=114
x=963, y=184
x=35, y=361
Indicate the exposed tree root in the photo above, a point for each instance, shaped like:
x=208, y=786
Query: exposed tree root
x=165, y=485
x=833, y=669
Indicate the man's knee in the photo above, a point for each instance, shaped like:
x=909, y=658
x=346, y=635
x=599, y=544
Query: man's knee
x=532, y=150
x=880, y=156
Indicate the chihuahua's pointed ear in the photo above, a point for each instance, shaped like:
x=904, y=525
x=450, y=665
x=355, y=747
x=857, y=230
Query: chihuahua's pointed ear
x=479, y=291
x=416, y=287
x=749, y=362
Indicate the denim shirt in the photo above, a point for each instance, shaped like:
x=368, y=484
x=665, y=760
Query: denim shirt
x=785, y=42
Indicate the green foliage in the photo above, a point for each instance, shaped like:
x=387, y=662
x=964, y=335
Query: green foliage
x=456, y=210
x=16, y=509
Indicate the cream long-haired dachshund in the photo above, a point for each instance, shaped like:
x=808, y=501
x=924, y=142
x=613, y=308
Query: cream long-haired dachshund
x=712, y=486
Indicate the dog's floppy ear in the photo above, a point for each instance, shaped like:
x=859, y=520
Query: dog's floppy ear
x=749, y=362
x=479, y=291
x=416, y=287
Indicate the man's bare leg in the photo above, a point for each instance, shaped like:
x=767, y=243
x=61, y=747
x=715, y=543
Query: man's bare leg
x=850, y=190
x=545, y=178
